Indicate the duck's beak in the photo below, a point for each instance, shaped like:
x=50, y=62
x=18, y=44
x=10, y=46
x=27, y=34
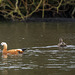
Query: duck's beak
x=0, y=45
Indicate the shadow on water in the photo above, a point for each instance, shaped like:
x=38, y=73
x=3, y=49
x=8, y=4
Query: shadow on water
x=43, y=56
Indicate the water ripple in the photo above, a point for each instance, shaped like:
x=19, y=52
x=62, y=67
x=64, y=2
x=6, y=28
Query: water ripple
x=42, y=57
x=53, y=46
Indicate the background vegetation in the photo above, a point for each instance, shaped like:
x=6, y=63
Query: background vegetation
x=21, y=9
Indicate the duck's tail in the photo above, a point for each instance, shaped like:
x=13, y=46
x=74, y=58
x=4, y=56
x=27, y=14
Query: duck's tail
x=23, y=49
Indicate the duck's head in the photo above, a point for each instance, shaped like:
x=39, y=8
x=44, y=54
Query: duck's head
x=3, y=43
x=60, y=40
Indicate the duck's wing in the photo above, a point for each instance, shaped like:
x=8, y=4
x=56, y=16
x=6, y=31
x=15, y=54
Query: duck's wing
x=15, y=51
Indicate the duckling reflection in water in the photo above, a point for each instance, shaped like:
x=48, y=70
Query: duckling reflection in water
x=61, y=43
x=6, y=52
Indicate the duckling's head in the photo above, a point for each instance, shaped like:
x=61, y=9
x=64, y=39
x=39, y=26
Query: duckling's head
x=3, y=43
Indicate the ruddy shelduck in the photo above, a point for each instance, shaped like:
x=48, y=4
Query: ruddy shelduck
x=12, y=51
x=61, y=43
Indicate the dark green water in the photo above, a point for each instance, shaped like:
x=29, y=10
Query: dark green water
x=43, y=56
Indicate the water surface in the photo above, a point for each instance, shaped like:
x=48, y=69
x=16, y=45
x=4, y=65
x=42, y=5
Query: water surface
x=42, y=57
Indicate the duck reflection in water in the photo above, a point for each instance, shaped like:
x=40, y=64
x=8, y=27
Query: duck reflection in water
x=11, y=52
x=61, y=43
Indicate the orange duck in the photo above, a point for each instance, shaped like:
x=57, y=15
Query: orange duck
x=12, y=51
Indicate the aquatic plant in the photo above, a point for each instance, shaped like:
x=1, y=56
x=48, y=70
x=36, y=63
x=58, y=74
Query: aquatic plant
x=21, y=9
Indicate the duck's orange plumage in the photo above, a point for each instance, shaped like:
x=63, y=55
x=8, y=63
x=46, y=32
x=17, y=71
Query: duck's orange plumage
x=12, y=51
